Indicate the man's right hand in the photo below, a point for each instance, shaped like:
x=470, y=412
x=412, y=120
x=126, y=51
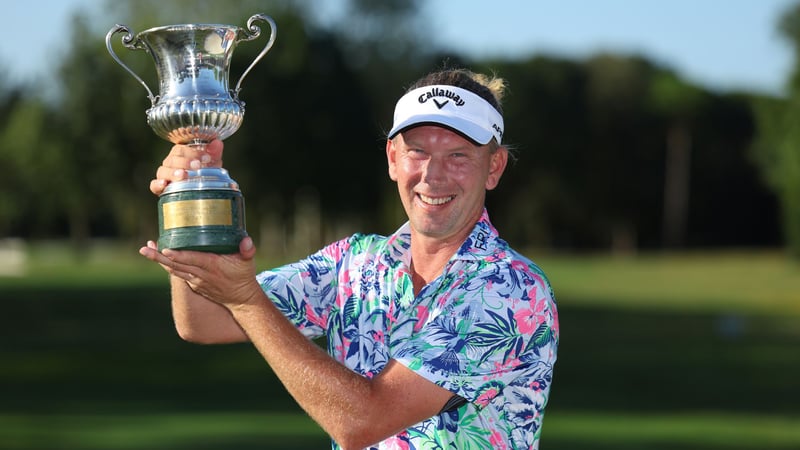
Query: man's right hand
x=182, y=158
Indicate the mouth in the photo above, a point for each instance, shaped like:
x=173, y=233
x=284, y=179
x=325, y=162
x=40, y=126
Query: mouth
x=435, y=201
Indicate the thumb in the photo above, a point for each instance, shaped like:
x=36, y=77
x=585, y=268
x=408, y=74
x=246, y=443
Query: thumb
x=247, y=249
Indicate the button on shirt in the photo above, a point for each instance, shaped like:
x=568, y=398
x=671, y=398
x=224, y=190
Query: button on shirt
x=486, y=329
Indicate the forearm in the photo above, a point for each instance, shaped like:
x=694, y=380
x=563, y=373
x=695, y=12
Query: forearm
x=346, y=404
x=200, y=320
x=337, y=398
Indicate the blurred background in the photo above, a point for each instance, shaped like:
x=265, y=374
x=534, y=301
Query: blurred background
x=657, y=182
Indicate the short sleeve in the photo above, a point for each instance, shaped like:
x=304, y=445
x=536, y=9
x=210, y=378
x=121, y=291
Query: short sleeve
x=305, y=291
x=485, y=330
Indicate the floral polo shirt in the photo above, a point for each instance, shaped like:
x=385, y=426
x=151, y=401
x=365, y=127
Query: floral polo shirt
x=486, y=329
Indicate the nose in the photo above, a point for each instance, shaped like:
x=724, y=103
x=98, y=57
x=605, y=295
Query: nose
x=435, y=171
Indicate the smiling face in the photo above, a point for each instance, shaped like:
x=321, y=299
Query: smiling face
x=442, y=179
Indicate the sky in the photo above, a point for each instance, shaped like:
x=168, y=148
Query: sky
x=720, y=44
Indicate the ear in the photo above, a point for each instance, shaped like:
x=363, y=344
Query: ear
x=497, y=165
x=391, y=158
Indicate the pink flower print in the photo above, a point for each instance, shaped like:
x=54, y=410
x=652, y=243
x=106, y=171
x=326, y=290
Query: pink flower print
x=487, y=396
x=345, y=290
x=337, y=251
x=314, y=318
x=339, y=352
x=532, y=293
x=502, y=367
x=499, y=256
x=379, y=336
x=520, y=266
x=396, y=443
x=422, y=317
x=443, y=300
x=554, y=323
x=528, y=319
x=497, y=440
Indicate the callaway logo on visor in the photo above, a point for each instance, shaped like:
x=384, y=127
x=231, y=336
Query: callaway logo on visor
x=440, y=105
x=453, y=107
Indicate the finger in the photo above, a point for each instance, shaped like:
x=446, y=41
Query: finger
x=157, y=186
x=247, y=249
x=185, y=276
x=183, y=271
x=182, y=156
x=180, y=161
x=150, y=251
x=182, y=151
x=203, y=161
x=189, y=261
x=170, y=173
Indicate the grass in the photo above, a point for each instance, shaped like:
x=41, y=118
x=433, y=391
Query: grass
x=674, y=351
x=745, y=282
x=756, y=281
x=290, y=431
x=162, y=431
x=691, y=430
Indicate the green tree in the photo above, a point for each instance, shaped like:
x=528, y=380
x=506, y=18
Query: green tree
x=679, y=102
x=589, y=161
x=538, y=201
x=593, y=141
x=22, y=120
x=777, y=149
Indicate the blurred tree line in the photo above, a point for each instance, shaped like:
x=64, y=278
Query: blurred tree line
x=613, y=152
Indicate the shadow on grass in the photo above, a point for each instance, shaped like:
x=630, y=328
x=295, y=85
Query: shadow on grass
x=625, y=360
x=113, y=352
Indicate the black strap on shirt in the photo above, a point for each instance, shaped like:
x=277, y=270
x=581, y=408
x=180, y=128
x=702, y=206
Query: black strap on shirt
x=455, y=402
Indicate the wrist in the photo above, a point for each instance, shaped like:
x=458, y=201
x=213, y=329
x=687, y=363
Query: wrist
x=250, y=298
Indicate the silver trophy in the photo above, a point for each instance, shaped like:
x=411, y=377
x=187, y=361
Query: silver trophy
x=195, y=106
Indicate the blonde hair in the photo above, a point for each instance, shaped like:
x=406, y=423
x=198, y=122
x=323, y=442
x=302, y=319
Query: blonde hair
x=496, y=85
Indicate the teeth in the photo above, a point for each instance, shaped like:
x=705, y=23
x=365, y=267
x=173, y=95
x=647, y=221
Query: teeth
x=435, y=201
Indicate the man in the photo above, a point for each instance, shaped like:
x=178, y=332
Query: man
x=439, y=336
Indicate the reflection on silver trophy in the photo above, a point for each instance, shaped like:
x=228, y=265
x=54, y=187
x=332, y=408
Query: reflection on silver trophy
x=195, y=106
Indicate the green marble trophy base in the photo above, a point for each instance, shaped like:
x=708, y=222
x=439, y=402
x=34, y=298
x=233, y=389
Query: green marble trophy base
x=201, y=214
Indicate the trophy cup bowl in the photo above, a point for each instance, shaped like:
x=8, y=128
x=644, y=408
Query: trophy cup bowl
x=204, y=212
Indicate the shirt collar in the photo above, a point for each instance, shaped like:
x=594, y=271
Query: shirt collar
x=480, y=243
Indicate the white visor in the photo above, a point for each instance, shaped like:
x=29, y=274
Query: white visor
x=453, y=107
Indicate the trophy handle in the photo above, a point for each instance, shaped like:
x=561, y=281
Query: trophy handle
x=252, y=32
x=131, y=43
